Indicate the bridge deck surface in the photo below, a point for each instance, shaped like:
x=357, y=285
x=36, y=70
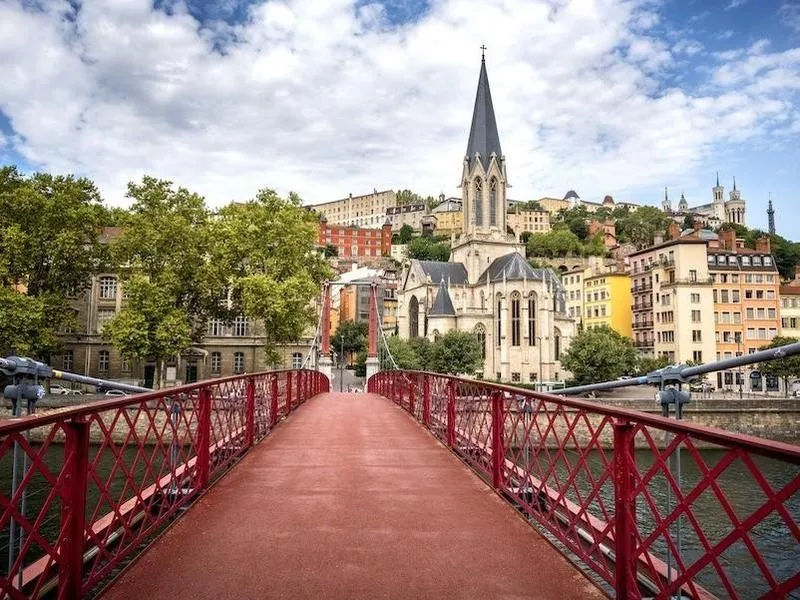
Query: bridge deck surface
x=349, y=498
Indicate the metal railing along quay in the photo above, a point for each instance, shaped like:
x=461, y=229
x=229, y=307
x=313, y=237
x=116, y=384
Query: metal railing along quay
x=650, y=506
x=83, y=489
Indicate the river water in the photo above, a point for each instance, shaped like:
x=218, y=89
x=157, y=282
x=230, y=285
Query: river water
x=773, y=538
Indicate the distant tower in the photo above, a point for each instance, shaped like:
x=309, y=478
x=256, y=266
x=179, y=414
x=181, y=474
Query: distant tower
x=666, y=205
x=718, y=205
x=683, y=205
x=771, y=216
x=735, y=208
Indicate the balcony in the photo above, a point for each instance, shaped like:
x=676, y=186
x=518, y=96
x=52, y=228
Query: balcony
x=687, y=282
x=638, y=289
x=642, y=307
x=643, y=343
x=643, y=324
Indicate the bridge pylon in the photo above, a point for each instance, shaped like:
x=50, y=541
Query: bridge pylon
x=325, y=365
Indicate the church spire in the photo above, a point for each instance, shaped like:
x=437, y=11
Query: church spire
x=717, y=178
x=771, y=216
x=483, y=136
x=734, y=183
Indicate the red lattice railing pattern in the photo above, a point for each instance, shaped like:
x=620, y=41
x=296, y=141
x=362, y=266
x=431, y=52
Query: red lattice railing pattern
x=648, y=506
x=95, y=481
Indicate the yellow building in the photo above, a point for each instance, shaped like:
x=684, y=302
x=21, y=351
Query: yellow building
x=607, y=300
x=553, y=205
x=450, y=222
x=573, y=287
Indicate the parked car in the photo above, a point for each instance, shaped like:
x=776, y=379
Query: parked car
x=58, y=390
x=116, y=393
x=701, y=387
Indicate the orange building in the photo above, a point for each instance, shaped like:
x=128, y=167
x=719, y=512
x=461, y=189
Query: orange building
x=356, y=242
x=746, y=305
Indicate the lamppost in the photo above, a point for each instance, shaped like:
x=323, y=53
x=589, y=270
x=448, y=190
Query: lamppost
x=740, y=374
x=341, y=368
x=539, y=338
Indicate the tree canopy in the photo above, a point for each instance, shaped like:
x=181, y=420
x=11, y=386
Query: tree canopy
x=455, y=352
x=599, y=354
x=350, y=336
x=425, y=249
x=405, y=197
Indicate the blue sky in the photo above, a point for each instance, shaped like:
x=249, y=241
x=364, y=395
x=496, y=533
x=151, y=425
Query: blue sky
x=620, y=97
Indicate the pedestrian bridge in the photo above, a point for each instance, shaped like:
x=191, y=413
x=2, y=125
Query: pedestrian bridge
x=269, y=486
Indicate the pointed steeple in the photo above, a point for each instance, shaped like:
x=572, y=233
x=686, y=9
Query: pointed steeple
x=734, y=183
x=717, y=178
x=483, y=136
x=442, y=304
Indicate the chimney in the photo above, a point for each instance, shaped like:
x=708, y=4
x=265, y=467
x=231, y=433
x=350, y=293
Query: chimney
x=727, y=238
x=762, y=245
x=674, y=231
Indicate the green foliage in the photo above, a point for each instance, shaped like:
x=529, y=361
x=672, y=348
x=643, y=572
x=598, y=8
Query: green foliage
x=640, y=226
x=28, y=324
x=49, y=249
x=405, y=234
x=405, y=197
x=554, y=243
x=426, y=249
x=599, y=354
x=787, y=368
x=525, y=206
x=651, y=363
x=688, y=221
x=331, y=250
x=404, y=353
x=350, y=336
x=455, y=352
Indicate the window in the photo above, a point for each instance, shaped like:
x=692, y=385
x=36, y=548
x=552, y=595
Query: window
x=216, y=328
x=695, y=298
x=216, y=363
x=103, y=361
x=104, y=315
x=499, y=320
x=557, y=345
x=125, y=365
x=480, y=332
x=515, y=377
x=67, y=360
x=697, y=356
x=735, y=296
x=478, y=201
x=515, y=324
x=108, y=288
x=723, y=296
x=240, y=326
x=493, y=204
x=238, y=362
x=692, y=275
x=297, y=360
x=695, y=316
x=697, y=335
x=767, y=261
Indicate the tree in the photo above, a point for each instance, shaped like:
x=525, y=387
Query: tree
x=25, y=328
x=651, y=363
x=404, y=354
x=49, y=249
x=405, y=197
x=640, y=226
x=173, y=287
x=263, y=253
x=787, y=368
x=331, y=250
x=405, y=234
x=422, y=347
x=688, y=221
x=426, y=249
x=599, y=354
x=455, y=352
x=350, y=337
x=553, y=244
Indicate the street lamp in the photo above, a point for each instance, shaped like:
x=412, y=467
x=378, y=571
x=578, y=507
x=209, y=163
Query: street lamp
x=341, y=368
x=740, y=374
x=540, y=338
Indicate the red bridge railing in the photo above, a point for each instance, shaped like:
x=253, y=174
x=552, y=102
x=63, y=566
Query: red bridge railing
x=646, y=505
x=96, y=481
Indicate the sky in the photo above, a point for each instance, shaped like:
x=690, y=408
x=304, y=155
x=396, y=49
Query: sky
x=333, y=97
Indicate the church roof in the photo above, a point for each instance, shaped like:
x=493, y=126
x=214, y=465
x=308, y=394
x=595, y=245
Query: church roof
x=483, y=136
x=509, y=267
x=572, y=194
x=452, y=273
x=442, y=304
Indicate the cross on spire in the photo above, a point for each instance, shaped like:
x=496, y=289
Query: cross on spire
x=483, y=52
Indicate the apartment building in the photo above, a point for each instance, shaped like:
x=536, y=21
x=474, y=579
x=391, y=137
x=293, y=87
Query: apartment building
x=573, y=288
x=408, y=214
x=368, y=210
x=534, y=221
x=449, y=222
x=356, y=242
x=746, y=294
x=608, y=300
x=673, y=307
x=790, y=307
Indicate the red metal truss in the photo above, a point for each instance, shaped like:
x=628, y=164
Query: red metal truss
x=605, y=484
x=94, y=482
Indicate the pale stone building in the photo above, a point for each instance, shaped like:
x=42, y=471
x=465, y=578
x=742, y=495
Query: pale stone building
x=367, y=210
x=488, y=287
x=715, y=214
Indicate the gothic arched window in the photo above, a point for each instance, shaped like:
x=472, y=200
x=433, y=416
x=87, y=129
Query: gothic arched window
x=493, y=202
x=478, y=201
x=532, y=320
x=413, y=317
x=480, y=333
x=556, y=344
x=499, y=317
x=515, y=321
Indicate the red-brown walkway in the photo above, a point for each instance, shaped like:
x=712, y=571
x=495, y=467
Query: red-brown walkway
x=349, y=498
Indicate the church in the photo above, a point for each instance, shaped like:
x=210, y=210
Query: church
x=488, y=287
x=715, y=214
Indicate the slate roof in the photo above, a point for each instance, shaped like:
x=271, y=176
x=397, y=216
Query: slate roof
x=483, y=136
x=570, y=195
x=511, y=266
x=442, y=304
x=452, y=273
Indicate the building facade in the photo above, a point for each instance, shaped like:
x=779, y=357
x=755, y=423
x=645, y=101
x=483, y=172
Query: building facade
x=408, y=214
x=715, y=214
x=518, y=313
x=608, y=301
x=368, y=210
x=356, y=242
x=533, y=221
x=790, y=307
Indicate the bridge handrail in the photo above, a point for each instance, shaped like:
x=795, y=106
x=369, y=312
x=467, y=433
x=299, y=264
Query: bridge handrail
x=571, y=466
x=91, y=484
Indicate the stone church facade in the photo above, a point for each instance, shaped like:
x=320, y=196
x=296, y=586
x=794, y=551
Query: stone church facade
x=488, y=287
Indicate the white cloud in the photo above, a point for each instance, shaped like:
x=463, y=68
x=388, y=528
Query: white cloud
x=735, y=4
x=789, y=13
x=326, y=100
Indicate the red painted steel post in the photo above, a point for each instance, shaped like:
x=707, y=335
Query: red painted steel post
x=299, y=395
x=451, y=414
x=372, y=351
x=325, y=325
x=273, y=402
x=426, y=400
x=76, y=454
x=288, y=392
x=250, y=412
x=203, y=450
x=411, y=397
x=625, y=516
x=498, y=446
